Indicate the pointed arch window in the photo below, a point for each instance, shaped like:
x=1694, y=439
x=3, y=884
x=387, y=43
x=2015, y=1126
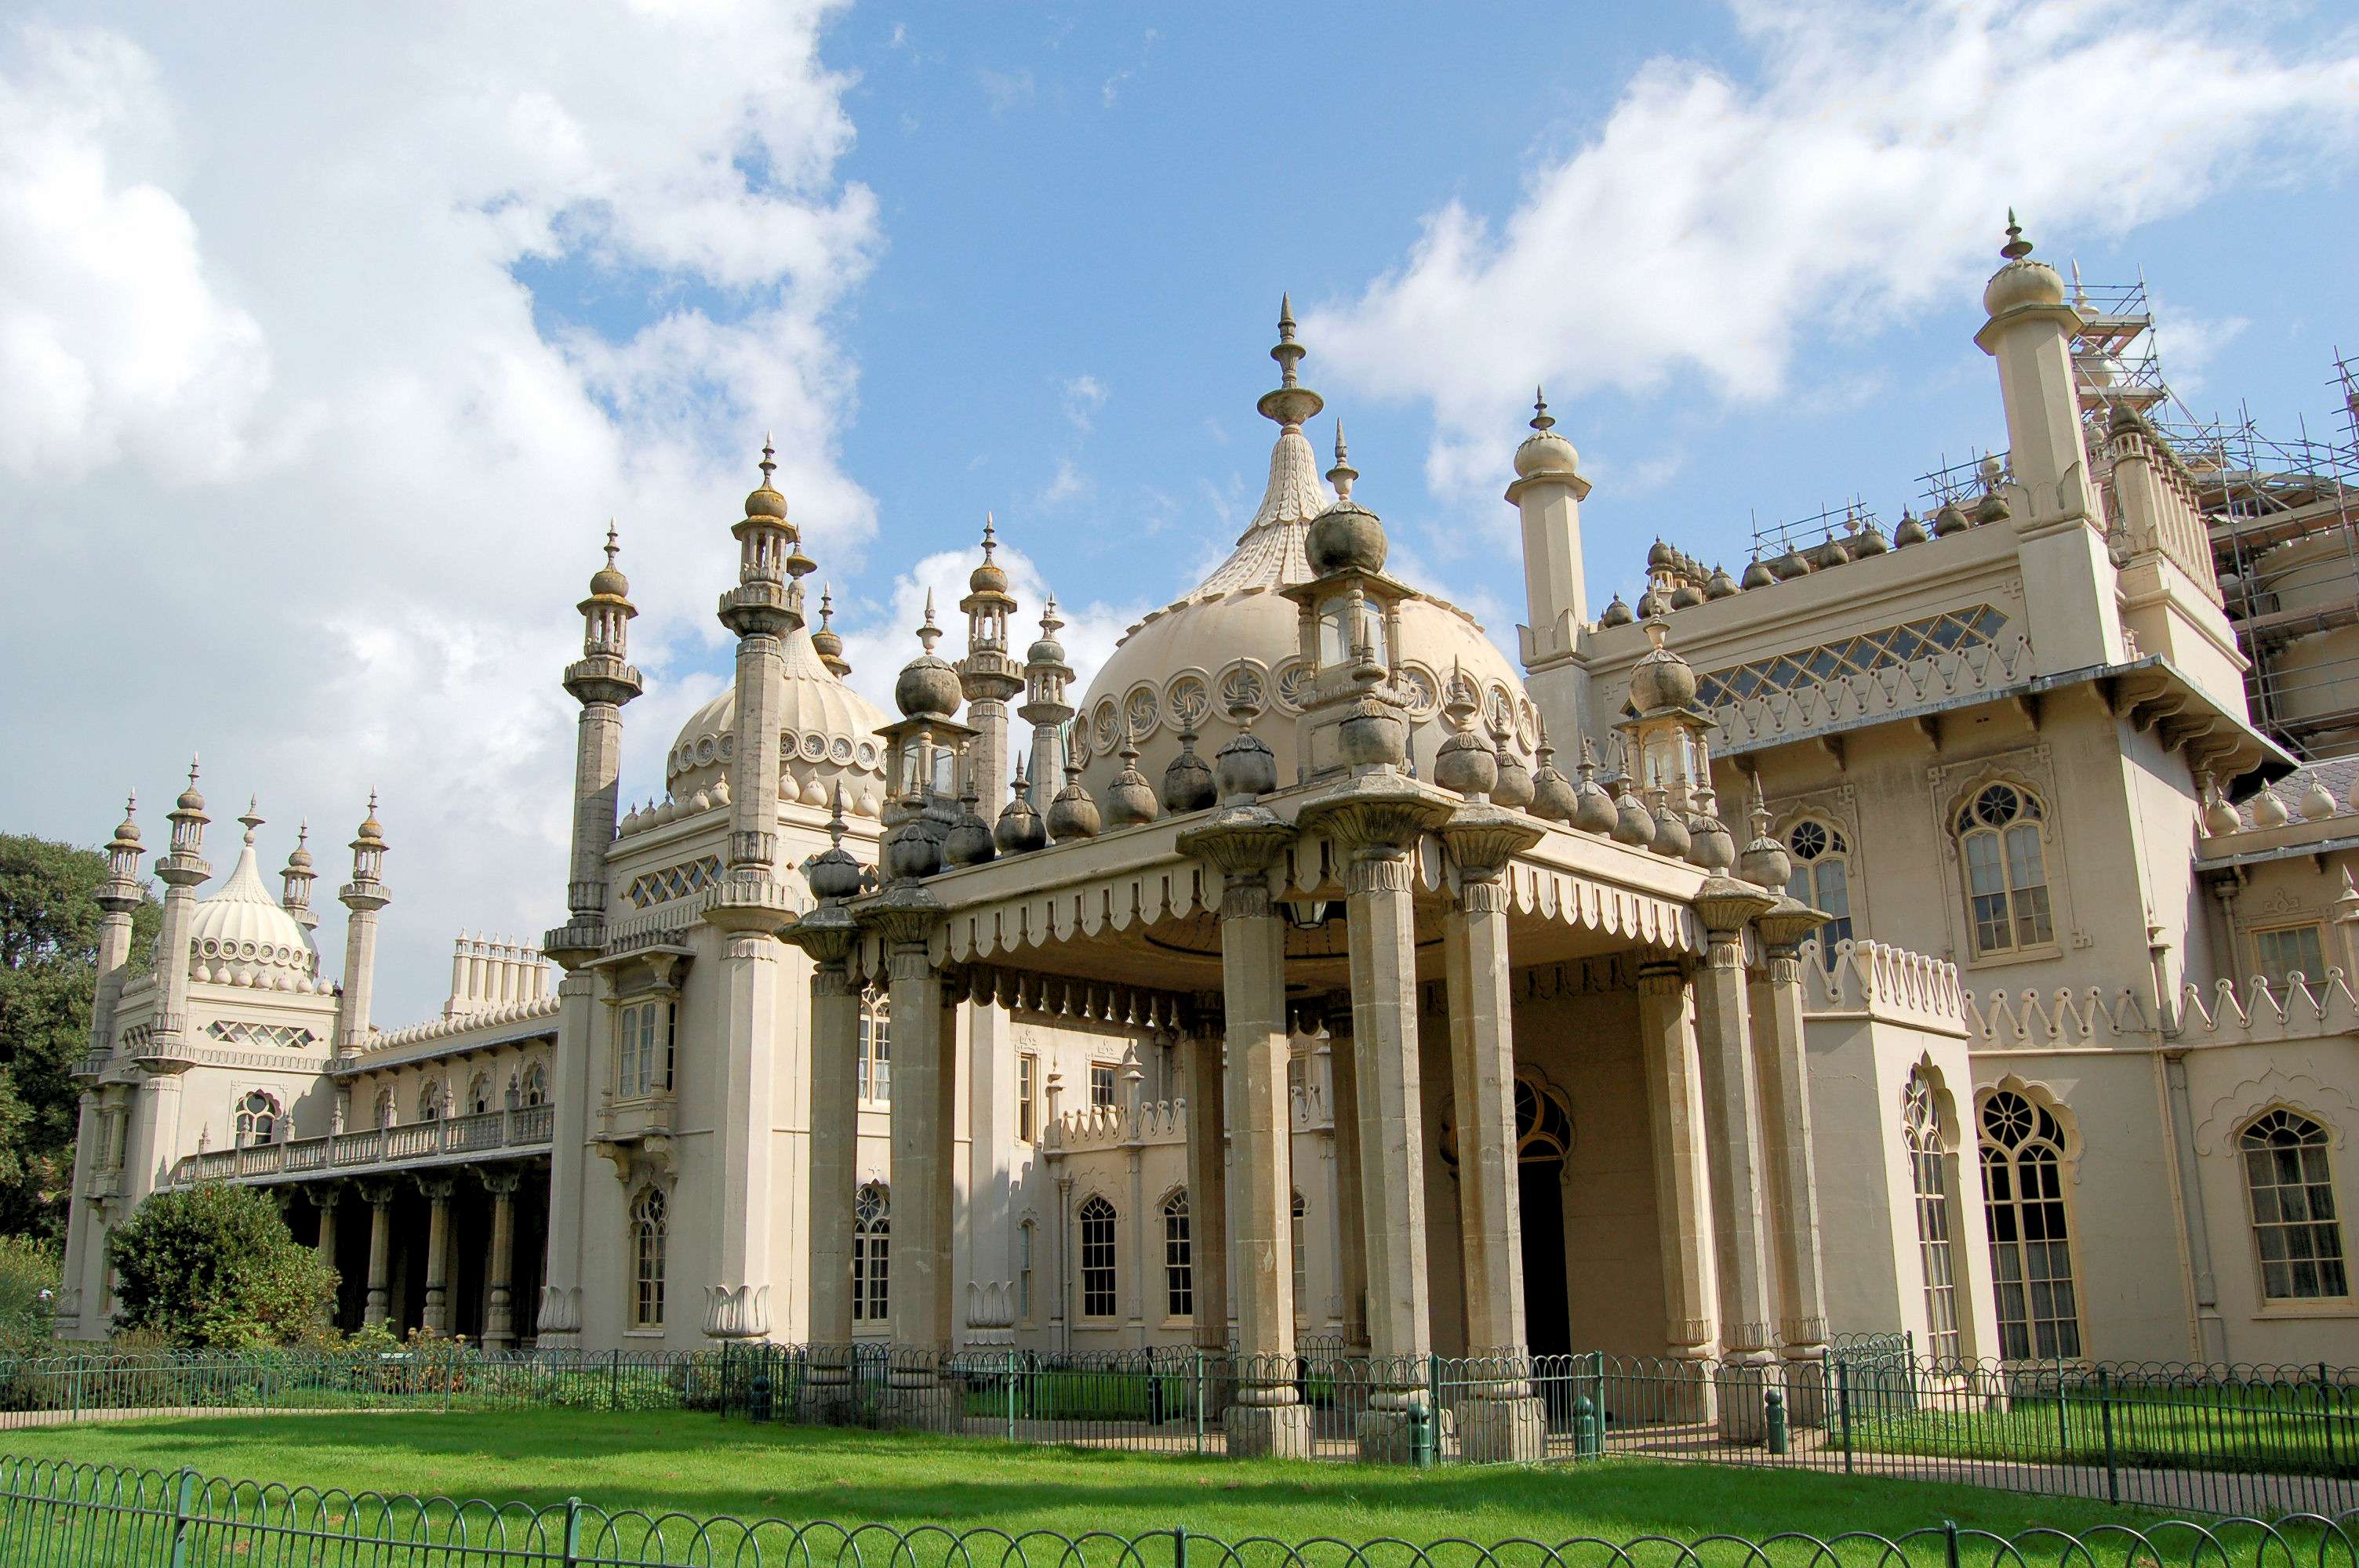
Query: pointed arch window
x=430, y=1101
x=649, y=1234
x=386, y=1115
x=258, y=1119
x=2002, y=843
x=1097, y=1219
x=2031, y=1250
x=2296, y=1225
x=1821, y=879
x=1179, y=1258
x=535, y=1084
x=1025, y=1236
x=1920, y=1123
x=872, y=1253
x=479, y=1094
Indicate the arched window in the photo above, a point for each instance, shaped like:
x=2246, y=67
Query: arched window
x=1179, y=1258
x=1024, y=1239
x=2295, y=1222
x=1097, y=1258
x=1920, y=1123
x=1821, y=879
x=648, y=1260
x=479, y=1094
x=1543, y=1126
x=872, y=1253
x=873, y=1067
x=2031, y=1255
x=535, y=1084
x=1999, y=840
x=430, y=1101
x=1301, y=1259
x=385, y=1114
x=257, y=1119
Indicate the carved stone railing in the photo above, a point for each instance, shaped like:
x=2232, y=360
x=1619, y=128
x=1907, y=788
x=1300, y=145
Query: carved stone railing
x=1889, y=983
x=442, y=1141
x=1895, y=691
x=2228, y=1012
x=1113, y=1127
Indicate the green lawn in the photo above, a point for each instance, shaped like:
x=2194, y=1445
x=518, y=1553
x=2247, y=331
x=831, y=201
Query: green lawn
x=700, y=1465
x=2283, y=1430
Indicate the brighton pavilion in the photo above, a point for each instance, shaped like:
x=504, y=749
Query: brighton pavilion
x=1937, y=927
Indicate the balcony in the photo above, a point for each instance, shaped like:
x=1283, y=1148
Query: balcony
x=449, y=1141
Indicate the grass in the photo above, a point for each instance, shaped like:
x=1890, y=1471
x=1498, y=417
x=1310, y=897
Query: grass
x=700, y=1465
x=2284, y=1431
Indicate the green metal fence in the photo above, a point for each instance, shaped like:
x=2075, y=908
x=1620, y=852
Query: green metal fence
x=67, y=1515
x=2223, y=1440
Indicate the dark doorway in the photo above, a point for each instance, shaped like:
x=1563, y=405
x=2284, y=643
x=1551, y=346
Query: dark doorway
x=1547, y=1311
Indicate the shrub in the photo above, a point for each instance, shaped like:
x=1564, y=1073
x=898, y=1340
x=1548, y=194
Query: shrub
x=213, y=1267
x=29, y=1277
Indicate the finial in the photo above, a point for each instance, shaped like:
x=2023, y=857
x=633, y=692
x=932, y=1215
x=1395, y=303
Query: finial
x=928, y=634
x=767, y=465
x=2017, y=246
x=1760, y=810
x=1342, y=475
x=130, y=803
x=826, y=604
x=2080, y=295
x=1286, y=317
x=252, y=818
x=303, y=833
x=1288, y=353
x=193, y=770
x=1541, y=418
x=990, y=541
x=1050, y=623
x=1657, y=628
x=612, y=547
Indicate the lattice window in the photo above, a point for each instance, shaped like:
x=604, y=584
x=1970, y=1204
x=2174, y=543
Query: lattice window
x=650, y=888
x=286, y=1036
x=1928, y=1159
x=430, y=1101
x=1179, y=1258
x=872, y=1253
x=649, y=1233
x=1097, y=1258
x=2295, y=1222
x=258, y=1115
x=873, y=1067
x=536, y=1085
x=2031, y=1252
x=2001, y=839
x=386, y=1115
x=1893, y=645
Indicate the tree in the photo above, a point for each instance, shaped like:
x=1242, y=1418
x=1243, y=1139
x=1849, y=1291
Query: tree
x=50, y=923
x=214, y=1267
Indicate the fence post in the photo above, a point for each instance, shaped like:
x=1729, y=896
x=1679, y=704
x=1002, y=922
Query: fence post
x=614, y=1382
x=2105, y=1411
x=1773, y=1420
x=1842, y=1410
x=1199, y=1398
x=572, y=1533
x=1950, y=1542
x=183, y=1504
x=1012, y=1354
x=1180, y=1544
x=1433, y=1408
x=2326, y=1413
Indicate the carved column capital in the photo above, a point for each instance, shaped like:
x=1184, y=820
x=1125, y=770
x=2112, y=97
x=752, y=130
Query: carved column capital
x=1662, y=978
x=1483, y=839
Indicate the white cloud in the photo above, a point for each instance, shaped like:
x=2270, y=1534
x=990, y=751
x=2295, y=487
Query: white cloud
x=1006, y=89
x=1707, y=223
x=302, y=483
x=1084, y=396
x=1068, y=483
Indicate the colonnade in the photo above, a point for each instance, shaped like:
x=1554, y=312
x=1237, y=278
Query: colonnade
x=440, y=1189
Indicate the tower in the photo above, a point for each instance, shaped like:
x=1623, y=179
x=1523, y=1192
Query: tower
x=1547, y=495
x=118, y=898
x=988, y=676
x=363, y=896
x=1048, y=707
x=84, y=1279
x=153, y=1137
x=2068, y=580
x=601, y=680
x=297, y=879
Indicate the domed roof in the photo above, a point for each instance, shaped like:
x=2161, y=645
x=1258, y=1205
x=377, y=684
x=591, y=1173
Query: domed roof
x=1544, y=451
x=826, y=732
x=2021, y=281
x=239, y=934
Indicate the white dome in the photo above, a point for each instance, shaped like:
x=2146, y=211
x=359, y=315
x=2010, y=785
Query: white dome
x=1168, y=666
x=240, y=935
x=826, y=731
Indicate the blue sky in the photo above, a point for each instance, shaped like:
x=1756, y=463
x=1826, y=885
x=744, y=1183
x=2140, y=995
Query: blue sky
x=328, y=345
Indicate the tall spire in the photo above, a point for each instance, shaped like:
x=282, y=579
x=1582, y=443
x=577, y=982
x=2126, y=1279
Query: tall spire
x=1292, y=404
x=1342, y=475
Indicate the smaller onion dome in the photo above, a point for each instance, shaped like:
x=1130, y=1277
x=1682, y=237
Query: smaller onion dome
x=1832, y=553
x=1868, y=541
x=1347, y=536
x=1047, y=650
x=1720, y=584
x=1188, y=781
x=1672, y=838
x=1616, y=613
x=1910, y=532
x=969, y=840
x=1652, y=604
x=1544, y=451
x=1633, y=822
x=832, y=873
x=1790, y=565
x=825, y=642
x=191, y=799
x=1553, y=796
x=1074, y=815
x=1660, y=557
x=2318, y=801
x=1465, y=764
x=1687, y=596
x=1130, y=799
x=1757, y=574
x=1993, y=506
x=1661, y=680
x=2022, y=281
x=2269, y=811
x=2219, y=816
x=765, y=502
x=608, y=581
x=298, y=859
x=1593, y=810
x=126, y=832
x=1710, y=844
x=1515, y=787
x=929, y=686
x=1766, y=862
x=1950, y=519
x=1020, y=830
x=990, y=577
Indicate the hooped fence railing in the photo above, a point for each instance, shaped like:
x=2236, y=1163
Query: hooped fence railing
x=102, y=1517
x=2214, y=1439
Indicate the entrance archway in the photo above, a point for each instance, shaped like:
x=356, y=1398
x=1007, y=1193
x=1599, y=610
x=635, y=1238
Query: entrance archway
x=1543, y=1142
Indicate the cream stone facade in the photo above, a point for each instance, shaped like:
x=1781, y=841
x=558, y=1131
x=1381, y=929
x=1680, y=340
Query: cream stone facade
x=1923, y=937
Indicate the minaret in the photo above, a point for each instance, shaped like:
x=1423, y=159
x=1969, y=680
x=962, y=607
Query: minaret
x=1047, y=708
x=364, y=895
x=601, y=680
x=81, y=1285
x=118, y=897
x=767, y=604
x=1547, y=493
x=988, y=675
x=183, y=870
x=2068, y=579
x=297, y=879
x=825, y=643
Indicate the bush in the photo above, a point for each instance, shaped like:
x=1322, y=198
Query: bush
x=28, y=1278
x=213, y=1267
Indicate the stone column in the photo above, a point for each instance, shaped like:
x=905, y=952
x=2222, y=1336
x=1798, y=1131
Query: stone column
x=1504, y=1420
x=325, y=1198
x=438, y=1252
x=499, y=1310
x=1785, y=1075
x=1375, y=820
x=380, y=1258
x=1350, y=1223
x=1243, y=842
x=828, y=935
x=1208, y=1189
x=557, y=1323
x=1739, y=1164
x=1682, y=1189
x=921, y=1291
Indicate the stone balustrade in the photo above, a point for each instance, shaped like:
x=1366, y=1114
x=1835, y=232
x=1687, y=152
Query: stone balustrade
x=2228, y=1012
x=1922, y=684
x=1890, y=983
x=446, y=1141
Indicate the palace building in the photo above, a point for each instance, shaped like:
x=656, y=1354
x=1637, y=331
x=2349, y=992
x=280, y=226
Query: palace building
x=1940, y=926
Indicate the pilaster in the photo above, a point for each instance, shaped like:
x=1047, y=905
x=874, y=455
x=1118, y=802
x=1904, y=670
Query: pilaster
x=1683, y=1185
x=828, y=935
x=1790, y=1149
x=1208, y=1189
x=438, y=1190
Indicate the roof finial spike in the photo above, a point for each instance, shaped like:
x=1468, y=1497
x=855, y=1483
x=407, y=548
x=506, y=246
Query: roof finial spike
x=612, y=547
x=130, y=803
x=2017, y=246
x=2080, y=295
x=928, y=634
x=1050, y=622
x=192, y=768
x=767, y=465
x=990, y=536
x=835, y=819
x=1286, y=317
x=826, y=604
x=1541, y=418
x=1342, y=475
x=252, y=818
